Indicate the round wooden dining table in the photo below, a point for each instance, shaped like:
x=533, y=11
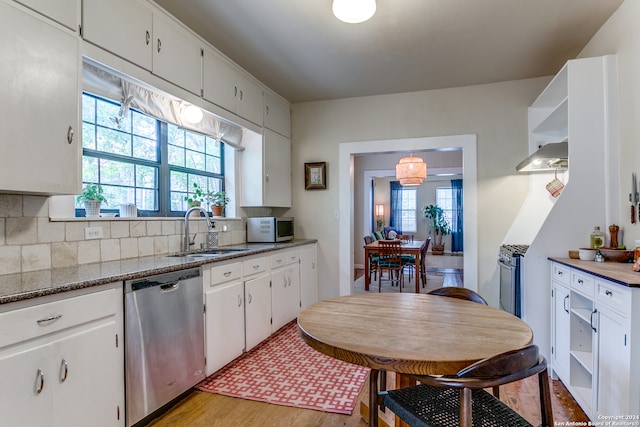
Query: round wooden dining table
x=409, y=334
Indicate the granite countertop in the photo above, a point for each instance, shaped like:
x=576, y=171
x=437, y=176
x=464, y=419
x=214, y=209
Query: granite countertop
x=618, y=272
x=34, y=284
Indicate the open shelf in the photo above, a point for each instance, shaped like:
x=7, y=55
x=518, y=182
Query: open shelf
x=556, y=122
x=583, y=314
x=584, y=358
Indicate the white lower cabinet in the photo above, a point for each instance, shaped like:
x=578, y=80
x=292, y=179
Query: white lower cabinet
x=285, y=288
x=69, y=368
x=248, y=300
x=257, y=295
x=597, y=342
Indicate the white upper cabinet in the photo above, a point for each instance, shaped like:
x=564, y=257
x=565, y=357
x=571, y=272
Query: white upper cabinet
x=266, y=171
x=151, y=40
x=65, y=12
x=177, y=55
x=277, y=114
x=39, y=112
x=226, y=87
x=123, y=27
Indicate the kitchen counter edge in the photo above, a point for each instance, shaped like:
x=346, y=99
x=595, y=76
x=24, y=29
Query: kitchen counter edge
x=34, y=284
x=618, y=272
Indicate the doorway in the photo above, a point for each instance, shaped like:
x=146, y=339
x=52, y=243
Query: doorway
x=347, y=151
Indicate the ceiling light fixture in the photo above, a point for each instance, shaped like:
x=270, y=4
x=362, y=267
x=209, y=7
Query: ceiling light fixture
x=192, y=114
x=411, y=170
x=354, y=11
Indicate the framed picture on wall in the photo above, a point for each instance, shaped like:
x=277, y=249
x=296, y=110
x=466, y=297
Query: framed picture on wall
x=315, y=176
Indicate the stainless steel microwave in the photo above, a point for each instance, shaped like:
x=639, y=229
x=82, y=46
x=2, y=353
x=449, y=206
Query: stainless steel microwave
x=269, y=229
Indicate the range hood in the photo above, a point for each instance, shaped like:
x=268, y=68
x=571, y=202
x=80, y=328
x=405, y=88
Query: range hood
x=549, y=157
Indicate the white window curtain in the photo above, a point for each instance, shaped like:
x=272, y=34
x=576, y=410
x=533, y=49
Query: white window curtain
x=102, y=82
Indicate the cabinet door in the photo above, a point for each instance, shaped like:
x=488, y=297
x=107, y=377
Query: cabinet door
x=64, y=12
x=177, y=55
x=277, y=115
x=277, y=166
x=614, y=363
x=250, y=100
x=224, y=326
x=23, y=373
x=561, y=332
x=219, y=81
x=39, y=86
x=123, y=27
x=88, y=361
x=257, y=296
x=308, y=276
x=285, y=295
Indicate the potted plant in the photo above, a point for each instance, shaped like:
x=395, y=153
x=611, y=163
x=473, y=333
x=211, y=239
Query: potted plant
x=92, y=196
x=439, y=225
x=197, y=197
x=218, y=201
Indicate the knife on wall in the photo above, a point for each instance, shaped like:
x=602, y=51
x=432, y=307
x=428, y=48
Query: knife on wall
x=633, y=197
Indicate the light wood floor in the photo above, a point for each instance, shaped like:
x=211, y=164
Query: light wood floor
x=202, y=409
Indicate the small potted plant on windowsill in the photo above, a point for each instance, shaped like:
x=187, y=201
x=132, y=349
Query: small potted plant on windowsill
x=197, y=198
x=92, y=196
x=439, y=225
x=218, y=201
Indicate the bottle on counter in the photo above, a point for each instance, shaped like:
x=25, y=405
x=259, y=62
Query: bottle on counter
x=597, y=238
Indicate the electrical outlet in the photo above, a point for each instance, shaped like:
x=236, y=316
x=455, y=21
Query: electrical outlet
x=93, y=233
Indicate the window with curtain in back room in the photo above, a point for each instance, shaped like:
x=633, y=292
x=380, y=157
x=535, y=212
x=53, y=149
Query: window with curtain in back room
x=444, y=199
x=408, y=206
x=140, y=159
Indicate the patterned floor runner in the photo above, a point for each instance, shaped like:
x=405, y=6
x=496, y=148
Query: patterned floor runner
x=284, y=370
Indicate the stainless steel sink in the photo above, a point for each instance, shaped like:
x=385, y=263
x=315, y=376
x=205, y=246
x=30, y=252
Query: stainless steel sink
x=210, y=252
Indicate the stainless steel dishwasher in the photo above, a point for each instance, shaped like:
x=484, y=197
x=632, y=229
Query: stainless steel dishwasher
x=164, y=340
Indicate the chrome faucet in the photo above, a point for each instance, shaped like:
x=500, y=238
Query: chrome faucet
x=187, y=242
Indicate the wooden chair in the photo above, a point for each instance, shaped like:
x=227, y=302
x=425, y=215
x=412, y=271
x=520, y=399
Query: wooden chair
x=423, y=261
x=447, y=400
x=373, y=259
x=390, y=259
x=460, y=293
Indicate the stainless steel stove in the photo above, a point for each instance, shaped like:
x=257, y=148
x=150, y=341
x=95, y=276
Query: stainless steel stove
x=510, y=260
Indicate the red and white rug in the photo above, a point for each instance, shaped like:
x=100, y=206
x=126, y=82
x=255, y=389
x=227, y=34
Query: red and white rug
x=284, y=370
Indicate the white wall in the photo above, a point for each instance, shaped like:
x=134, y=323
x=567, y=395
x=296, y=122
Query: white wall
x=621, y=35
x=496, y=113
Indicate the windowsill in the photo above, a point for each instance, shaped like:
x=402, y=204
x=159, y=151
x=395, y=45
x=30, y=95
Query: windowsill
x=138, y=218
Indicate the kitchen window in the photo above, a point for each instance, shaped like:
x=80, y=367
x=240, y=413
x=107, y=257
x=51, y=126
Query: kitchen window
x=142, y=160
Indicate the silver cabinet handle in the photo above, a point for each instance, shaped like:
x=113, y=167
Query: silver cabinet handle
x=64, y=370
x=159, y=45
x=267, y=109
x=49, y=319
x=39, y=381
x=147, y=37
x=70, y=135
x=250, y=299
x=257, y=266
x=235, y=91
x=240, y=94
x=267, y=177
x=227, y=274
x=239, y=300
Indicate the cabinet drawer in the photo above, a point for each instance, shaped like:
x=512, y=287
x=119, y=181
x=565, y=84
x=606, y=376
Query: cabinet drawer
x=582, y=282
x=613, y=295
x=255, y=266
x=561, y=274
x=31, y=322
x=284, y=258
x=224, y=273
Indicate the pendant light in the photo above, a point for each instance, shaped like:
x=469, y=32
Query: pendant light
x=354, y=11
x=411, y=170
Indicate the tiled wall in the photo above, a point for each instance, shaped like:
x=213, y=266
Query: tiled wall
x=30, y=241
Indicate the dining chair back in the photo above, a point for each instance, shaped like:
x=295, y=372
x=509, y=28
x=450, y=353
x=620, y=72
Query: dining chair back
x=423, y=260
x=373, y=259
x=447, y=400
x=460, y=293
x=390, y=259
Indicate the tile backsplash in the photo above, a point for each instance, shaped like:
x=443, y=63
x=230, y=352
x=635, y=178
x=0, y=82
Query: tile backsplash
x=30, y=240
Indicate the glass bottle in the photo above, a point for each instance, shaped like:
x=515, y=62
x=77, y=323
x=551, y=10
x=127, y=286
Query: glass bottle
x=597, y=238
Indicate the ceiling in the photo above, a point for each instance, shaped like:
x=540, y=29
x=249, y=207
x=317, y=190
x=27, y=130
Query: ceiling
x=301, y=51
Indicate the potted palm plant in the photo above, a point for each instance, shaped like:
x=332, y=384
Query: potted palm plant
x=218, y=201
x=440, y=226
x=92, y=196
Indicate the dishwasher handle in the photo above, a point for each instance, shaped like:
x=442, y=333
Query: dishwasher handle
x=169, y=287
x=167, y=282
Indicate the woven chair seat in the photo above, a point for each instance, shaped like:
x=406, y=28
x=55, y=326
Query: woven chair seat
x=429, y=406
